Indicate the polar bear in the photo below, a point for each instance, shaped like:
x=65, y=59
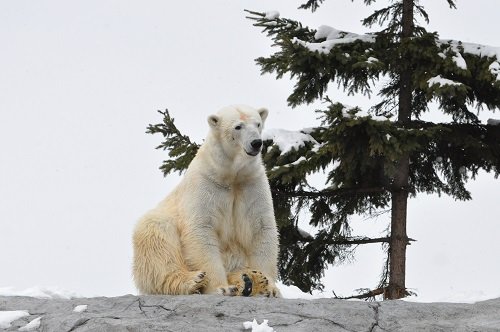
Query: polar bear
x=216, y=231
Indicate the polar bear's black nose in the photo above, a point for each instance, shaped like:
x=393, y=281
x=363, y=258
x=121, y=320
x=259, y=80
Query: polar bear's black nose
x=256, y=143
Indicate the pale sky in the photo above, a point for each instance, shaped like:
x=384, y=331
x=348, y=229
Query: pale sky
x=81, y=80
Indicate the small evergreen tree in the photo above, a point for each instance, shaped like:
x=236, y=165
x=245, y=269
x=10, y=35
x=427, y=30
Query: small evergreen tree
x=373, y=161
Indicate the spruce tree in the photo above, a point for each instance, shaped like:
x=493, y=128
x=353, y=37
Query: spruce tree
x=374, y=159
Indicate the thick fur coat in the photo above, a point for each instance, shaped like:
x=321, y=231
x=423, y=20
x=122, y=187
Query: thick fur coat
x=216, y=231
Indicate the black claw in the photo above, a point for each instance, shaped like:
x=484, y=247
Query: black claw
x=248, y=285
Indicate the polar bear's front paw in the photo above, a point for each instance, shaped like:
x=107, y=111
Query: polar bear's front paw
x=242, y=281
x=262, y=285
x=253, y=283
x=197, y=281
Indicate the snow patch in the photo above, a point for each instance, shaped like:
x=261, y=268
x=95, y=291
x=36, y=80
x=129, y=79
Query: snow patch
x=7, y=317
x=495, y=69
x=287, y=140
x=39, y=292
x=372, y=60
x=460, y=61
x=256, y=327
x=31, y=326
x=333, y=37
x=346, y=111
x=472, y=48
x=272, y=15
x=293, y=292
x=80, y=308
x=441, y=81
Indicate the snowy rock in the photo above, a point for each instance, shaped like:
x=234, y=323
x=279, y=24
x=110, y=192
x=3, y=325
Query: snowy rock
x=216, y=313
x=32, y=326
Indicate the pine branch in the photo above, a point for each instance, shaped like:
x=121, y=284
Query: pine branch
x=181, y=149
x=451, y=3
x=368, y=294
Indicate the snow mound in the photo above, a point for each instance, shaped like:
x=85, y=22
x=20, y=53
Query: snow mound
x=293, y=292
x=7, y=317
x=40, y=293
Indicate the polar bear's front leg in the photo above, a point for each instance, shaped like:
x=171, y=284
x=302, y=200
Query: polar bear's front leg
x=201, y=252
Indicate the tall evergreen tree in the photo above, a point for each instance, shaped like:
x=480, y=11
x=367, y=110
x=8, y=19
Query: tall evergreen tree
x=374, y=160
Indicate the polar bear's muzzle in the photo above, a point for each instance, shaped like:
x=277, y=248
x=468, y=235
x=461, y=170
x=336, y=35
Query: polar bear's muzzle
x=256, y=145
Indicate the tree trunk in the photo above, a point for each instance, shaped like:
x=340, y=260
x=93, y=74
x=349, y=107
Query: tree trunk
x=399, y=194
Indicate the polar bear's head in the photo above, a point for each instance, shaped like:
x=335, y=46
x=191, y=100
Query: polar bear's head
x=238, y=129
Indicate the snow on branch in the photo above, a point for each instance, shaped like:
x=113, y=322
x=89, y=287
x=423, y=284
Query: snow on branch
x=479, y=50
x=438, y=80
x=332, y=38
x=287, y=140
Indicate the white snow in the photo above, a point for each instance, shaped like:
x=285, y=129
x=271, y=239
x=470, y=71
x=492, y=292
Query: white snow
x=333, y=37
x=287, y=140
x=441, y=81
x=493, y=122
x=272, y=14
x=7, y=317
x=293, y=292
x=39, y=292
x=80, y=308
x=460, y=61
x=346, y=111
x=495, y=69
x=298, y=161
x=316, y=147
x=31, y=326
x=256, y=327
x=372, y=60
x=472, y=48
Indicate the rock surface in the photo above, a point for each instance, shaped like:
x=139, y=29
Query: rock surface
x=216, y=313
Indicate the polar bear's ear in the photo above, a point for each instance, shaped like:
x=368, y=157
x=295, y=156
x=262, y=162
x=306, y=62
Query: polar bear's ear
x=263, y=112
x=213, y=121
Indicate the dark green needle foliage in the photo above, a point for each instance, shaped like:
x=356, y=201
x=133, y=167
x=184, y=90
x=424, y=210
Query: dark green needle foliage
x=373, y=160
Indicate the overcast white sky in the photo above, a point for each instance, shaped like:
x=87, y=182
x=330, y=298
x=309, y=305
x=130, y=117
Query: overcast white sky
x=80, y=81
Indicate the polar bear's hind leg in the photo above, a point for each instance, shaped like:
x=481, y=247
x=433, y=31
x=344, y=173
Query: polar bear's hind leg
x=158, y=264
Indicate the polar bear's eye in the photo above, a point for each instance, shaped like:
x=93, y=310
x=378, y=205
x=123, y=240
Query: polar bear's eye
x=258, y=125
x=237, y=127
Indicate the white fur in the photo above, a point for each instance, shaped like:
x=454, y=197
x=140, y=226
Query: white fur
x=218, y=220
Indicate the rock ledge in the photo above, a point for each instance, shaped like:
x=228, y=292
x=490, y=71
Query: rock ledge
x=216, y=313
